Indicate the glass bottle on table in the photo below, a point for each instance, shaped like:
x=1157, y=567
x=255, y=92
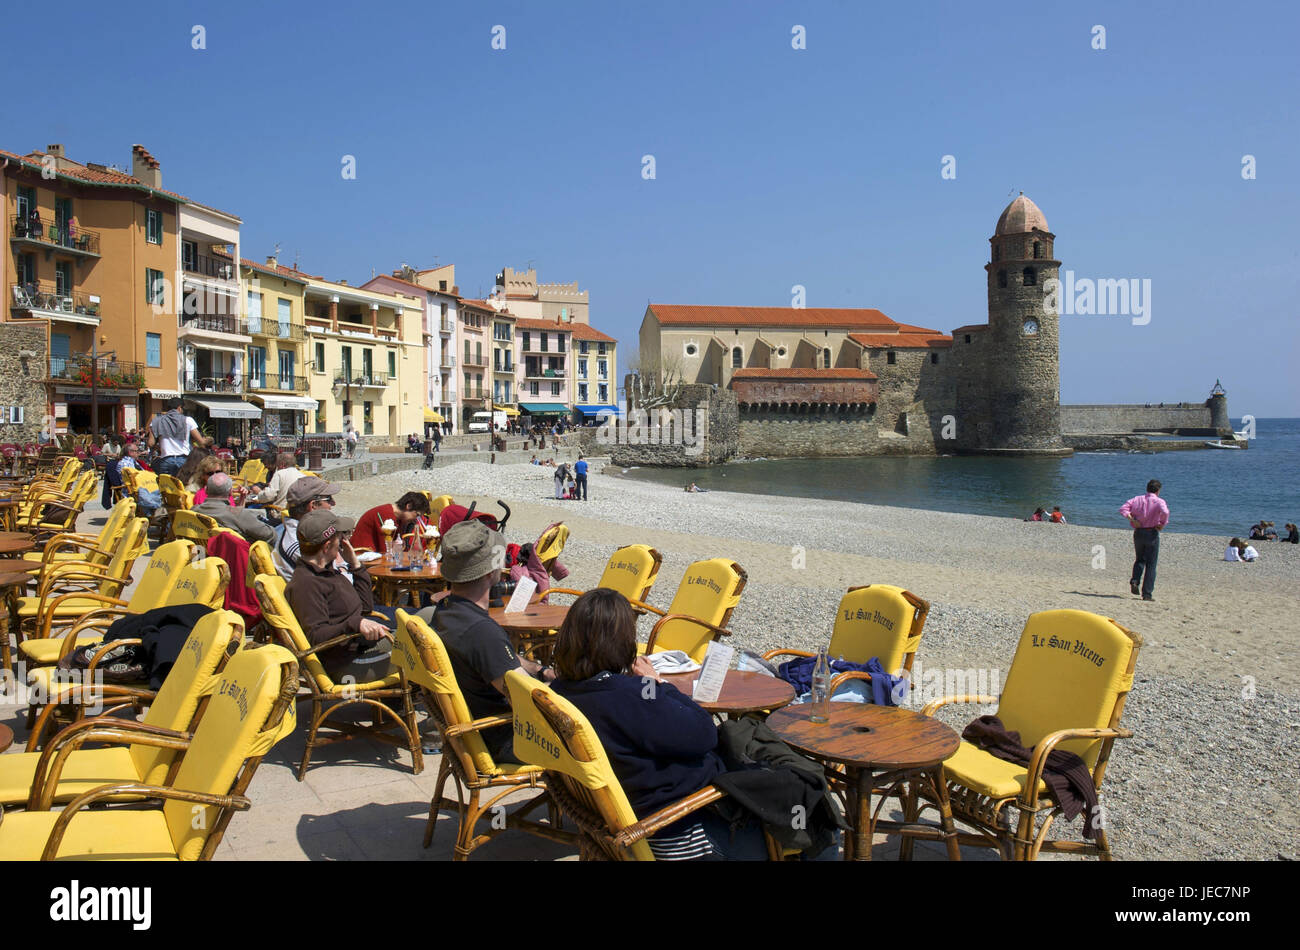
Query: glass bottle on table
x=821, y=689
x=416, y=549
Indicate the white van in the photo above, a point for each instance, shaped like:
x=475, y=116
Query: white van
x=482, y=421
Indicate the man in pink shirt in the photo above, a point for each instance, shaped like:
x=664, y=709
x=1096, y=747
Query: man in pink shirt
x=1148, y=514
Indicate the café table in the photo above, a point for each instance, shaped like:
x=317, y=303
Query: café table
x=12, y=581
x=532, y=630
x=742, y=691
x=879, y=747
x=391, y=580
x=15, y=542
x=7, y=508
x=6, y=737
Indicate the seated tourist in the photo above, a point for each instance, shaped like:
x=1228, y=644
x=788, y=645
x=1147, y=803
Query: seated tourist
x=1234, y=550
x=1270, y=532
x=1248, y=553
x=1038, y=515
x=306, y=495
x=217, y=505
x=661, y=745
x=276, y=491
x=328, y=605
x=403, y=514
x=480, y=651
x=1058, y=516
x=1257, y=531
x=1292, y=534
x=199, y=483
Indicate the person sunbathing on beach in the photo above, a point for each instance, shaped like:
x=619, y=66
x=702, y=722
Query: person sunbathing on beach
x=533, y=461
x=1058, y=516
x=696, y=488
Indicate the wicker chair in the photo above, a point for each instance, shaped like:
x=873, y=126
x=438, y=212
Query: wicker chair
x=700, y=611
x=551, y=732
x=250, y=709
x=419, y=653
x=874, y=620
x=632, y=571
x=98, y=548
x=1055, y=696
x=328, y=697
x=64, y=770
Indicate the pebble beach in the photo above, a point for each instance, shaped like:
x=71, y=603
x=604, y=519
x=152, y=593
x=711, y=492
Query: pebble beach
x=1216, y=703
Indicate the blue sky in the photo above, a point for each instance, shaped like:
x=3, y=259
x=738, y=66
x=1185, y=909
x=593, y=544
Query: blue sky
x=774, y=166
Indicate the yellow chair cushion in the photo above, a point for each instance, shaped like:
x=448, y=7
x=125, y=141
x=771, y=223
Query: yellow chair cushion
x=631, y=571
x=709, y=590
x=45, y=650
x=986, y=773
x=115, y=835
x=72, y=607
x=874, y=621
x=84, y=770
x=1068, y=672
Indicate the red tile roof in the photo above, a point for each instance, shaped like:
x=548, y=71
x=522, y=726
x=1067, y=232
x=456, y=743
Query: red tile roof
x=969, y=328
x=818, y=317
x=480, y=304
x=419, y=287
x=791, y=372
x=93, y=176
x=902, y=341
x=585, y=331
x=528, y=323
x=279, y=270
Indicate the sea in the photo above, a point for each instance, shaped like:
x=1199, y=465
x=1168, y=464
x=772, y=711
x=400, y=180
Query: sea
x=1211, y=491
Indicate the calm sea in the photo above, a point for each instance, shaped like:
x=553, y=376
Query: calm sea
x=1209, y=492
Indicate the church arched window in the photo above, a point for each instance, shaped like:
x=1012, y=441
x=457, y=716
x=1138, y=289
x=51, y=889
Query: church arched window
x=737, y=357
x=826, y=358
x=1031, y=277
x=1035, y=250
x=1002, y=278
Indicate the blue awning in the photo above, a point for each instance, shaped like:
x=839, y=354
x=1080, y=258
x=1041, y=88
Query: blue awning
x=598, y=410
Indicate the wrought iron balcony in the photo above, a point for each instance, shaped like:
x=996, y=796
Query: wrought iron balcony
x=377, y=380
x=276, y=383
x=214, y=323
x=44, y=299
x=261, y=326
x=108, y=373
x=77, y=239
x=205, y=266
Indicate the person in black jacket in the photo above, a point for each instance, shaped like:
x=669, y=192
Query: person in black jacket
x=661, y=745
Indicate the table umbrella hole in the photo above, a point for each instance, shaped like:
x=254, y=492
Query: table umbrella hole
x=863, y=729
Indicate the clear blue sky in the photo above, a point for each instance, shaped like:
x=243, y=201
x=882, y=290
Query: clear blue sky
x=774, y=166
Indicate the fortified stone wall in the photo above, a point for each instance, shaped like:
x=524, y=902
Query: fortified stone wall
x=915, y=395
x=968, y=364
x=21, y=381
x=1191, y=418
x=718, y=441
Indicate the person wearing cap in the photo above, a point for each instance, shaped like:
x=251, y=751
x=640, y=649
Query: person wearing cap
x=480, y=652
x=329, y=605
x=217, y=506
x=305, y=495
x=404, y=513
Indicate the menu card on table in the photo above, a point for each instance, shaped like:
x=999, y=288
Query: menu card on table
x=524, y=590
x=708, y=686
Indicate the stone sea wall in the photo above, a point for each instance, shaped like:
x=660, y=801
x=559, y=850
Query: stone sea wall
x=1186, y=418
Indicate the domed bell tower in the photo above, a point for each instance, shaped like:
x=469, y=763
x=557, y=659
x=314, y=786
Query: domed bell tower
x=1024, y=370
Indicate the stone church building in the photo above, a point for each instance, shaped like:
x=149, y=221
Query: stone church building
x=818, y=382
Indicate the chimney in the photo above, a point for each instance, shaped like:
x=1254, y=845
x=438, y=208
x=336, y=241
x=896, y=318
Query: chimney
x=343, y=282
x=55, y=150
x=61, y=162
x=145, y=167
x=271, y=261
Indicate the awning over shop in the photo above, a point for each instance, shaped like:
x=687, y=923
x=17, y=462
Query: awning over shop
x=300, y=403
x=231, y=409
x=163, y=393
x=204, y=345
x=431, y=416
x=544, y=408
x=510, y=411
x=598, y=410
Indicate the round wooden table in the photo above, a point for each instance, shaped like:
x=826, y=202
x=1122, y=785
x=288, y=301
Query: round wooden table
x=6, y=737
x=7, y=508
x=742, y=691
x=390, y=583
x=532, y=630
x=879, y=747
x=14, y=576
x=15, y=542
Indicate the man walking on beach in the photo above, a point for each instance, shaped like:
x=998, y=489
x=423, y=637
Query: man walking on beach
x=1148, y=514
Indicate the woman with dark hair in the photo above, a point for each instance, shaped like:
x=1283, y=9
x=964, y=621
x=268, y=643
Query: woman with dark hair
x=660, y=744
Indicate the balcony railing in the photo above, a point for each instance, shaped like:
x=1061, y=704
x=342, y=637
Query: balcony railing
x=361, y=379
x=71, y=238
x=109, y=373
x=536, y=372
x=283, y=384
x=447, y=326
x=230, y=383
x=449, y=359
x=45, y=296
x=476, y=360
x=209, y=266
x=260, y=326
x=214, y=323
